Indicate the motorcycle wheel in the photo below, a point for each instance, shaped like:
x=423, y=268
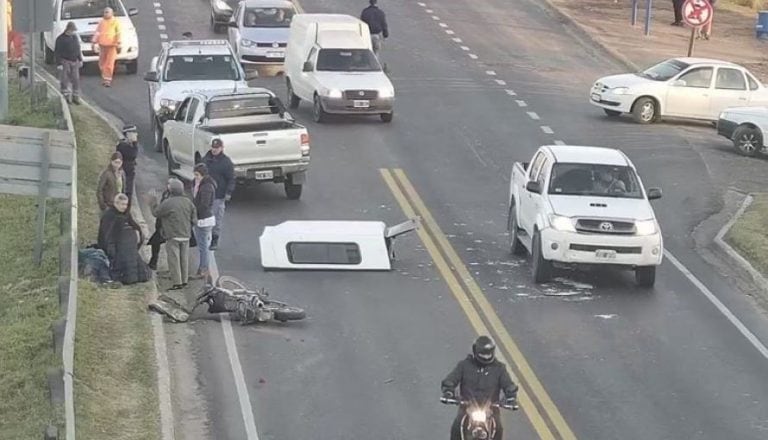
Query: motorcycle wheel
x=285, y=313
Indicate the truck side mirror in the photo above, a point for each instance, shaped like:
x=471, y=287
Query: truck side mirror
x=151, y=77
x=533, y=187
x=232, y=24
x=654, y=193
x=307, y=67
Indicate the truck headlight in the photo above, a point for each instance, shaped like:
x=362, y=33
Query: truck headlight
x=620, y=91
x=387, y=93
x=561, y=223
x=645, y=227
x=334, y=93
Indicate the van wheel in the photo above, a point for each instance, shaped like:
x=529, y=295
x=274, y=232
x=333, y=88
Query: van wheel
x=515, y=246
x=318, y=114
x=542, y=269
x=157, y=130
x=387, y=117
x=293, y=190
x=645, y=276
x=293, y=100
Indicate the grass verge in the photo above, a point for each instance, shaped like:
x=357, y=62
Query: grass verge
x=30, y=301
x=115, y=386
x=749, y=235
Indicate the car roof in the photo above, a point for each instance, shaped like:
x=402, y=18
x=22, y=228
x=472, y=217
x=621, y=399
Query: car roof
x=269, y=4
x=311, y=230
x=585, y=154
x=199, y=47
x=341, y=39
x=327, y=18
x=694, y=61
x=243, y=91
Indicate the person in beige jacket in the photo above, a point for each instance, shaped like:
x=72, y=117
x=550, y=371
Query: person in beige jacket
x=111, y=182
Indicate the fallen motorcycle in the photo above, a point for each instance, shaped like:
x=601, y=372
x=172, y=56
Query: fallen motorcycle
x=478, y=422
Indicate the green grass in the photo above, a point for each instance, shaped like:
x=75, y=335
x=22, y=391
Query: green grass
x=749, y=235
x=21, y=111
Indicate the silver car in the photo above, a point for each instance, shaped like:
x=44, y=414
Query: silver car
x=259, y=31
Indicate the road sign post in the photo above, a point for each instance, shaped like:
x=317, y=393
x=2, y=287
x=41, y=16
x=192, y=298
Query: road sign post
x=633, y=19
x=32, y=17
x=696, y=13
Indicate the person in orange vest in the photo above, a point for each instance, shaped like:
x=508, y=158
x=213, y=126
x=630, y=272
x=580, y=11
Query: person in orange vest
x=107, y=40
x=15, y=39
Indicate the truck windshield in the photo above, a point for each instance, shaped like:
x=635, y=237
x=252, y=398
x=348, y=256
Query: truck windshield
x=347, y=60
x=664, y=71
x=201, y=68
x=77, y=9
x=245, y=106
x=267, y=17
x=583, y=179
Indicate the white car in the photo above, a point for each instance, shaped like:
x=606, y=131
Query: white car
x=258, y=31
x=86, y=15
x=691, y=88
x=746, y=127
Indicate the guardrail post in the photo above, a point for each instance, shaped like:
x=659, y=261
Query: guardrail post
x=65, y=242
x=56, y=386
x=51, y=433
x=57, y=329
x=64, y=293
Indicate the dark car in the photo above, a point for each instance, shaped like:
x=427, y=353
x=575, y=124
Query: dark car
x=221, y=13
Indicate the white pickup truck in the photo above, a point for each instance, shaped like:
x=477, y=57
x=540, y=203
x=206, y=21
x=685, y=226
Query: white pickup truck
x=576, y=205
x=263, y=141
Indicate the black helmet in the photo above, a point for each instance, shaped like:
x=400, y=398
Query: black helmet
x=484, y=350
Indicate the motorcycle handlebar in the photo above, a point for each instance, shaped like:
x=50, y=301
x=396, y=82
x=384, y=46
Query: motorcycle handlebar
x=448, y=401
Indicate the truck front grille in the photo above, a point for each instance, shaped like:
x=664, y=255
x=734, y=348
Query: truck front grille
x=617, y=249
x=603, y=226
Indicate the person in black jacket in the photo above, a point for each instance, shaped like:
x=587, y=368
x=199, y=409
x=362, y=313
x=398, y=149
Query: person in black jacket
x=129, y=148
x=221, y=169
x=480, y=378
x=157, y=239
x=377, y=24
x=69, y=59
x=120, y=238
x=203, y=193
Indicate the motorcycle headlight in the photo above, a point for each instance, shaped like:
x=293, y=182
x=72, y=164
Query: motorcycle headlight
x=645, y=227
x=620, y=90
x=247, y=43
x=561, y=223
x=334, y=93
x=478, y=416
x=223, y=6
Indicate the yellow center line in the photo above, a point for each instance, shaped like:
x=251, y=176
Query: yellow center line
x=487, y=310
x=531, y=411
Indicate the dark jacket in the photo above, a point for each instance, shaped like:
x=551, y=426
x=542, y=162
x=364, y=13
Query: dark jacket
x=204, y=198
x=130, y=153
x=177, y=215
x=221, y=169
x=67, y=47
x=157, y=237
x=107, y=187
x=376, y=20
x=478, y=382
x=118, y=239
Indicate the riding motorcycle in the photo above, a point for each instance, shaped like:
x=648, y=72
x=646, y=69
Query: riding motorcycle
x=478, y=421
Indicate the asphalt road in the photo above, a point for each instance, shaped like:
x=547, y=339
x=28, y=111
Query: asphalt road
x=617, y=362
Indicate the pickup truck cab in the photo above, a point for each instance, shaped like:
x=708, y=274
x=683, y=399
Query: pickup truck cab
x=263, y=141
x=188, y=66
x=746, y=127
x=575, y=205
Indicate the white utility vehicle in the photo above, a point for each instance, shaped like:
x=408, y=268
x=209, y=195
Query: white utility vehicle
x=583, y=205
x=259, y=31
x=263, y=141
x=746, y=127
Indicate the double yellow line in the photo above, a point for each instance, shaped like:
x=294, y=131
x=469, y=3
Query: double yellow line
x=542, y=412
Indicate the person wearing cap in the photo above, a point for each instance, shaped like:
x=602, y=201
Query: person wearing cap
x=129, y=148
x=69, y=59
x=221, y=169
x=108, y=41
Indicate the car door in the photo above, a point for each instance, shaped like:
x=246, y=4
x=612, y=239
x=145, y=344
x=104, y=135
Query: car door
x=171, y=128
x=154, y=86
x=307, y=85
x=730, y=91
x=527, y=214
x=184, y=148
x=688, y=95
x=234, y=32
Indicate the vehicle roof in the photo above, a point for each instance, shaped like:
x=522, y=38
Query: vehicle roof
x=199, y=47
x=694, y=61
x=341, y=39
x=269, y=4
x=585, y=154
x=309, y=230
x=208, y=94
x=326, y=18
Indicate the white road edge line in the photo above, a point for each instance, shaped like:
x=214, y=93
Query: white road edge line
x=546, y=129
x=719, y=305
x=533, y=116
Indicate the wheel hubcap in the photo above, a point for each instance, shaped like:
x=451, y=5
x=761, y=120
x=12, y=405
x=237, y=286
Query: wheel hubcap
x=647, y=111
x=747, y=143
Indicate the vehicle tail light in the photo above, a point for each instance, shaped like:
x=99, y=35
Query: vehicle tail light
x=305, y=144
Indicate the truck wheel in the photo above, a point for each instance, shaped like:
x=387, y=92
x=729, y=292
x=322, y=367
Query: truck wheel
x=542, y=269
x=293, y=190
x=49, y=58
x=132, y=67
x=387, y=117
x=645, y=276
x=747, y=140
x=318, y=114
x=157, y=130
x=611, y=113
x=645, y=110
x=293, y=100
x=515, y=247
x=169, y=159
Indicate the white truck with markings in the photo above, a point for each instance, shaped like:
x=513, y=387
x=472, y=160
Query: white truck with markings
x=261, y=138
x=574, y=205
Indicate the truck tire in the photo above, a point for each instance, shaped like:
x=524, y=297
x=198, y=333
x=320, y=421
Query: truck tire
x=293, y=100
x=293, y=190
x=515, y=246
x=645, y=276
x=169, y=159
x=157, y=131
x=318, y=114
x=542, y=269
x=747, y=140
x=645, y=110
x=387, y=117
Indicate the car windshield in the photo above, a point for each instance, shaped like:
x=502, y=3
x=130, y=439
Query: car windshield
x=76, y=9
x=583, y=179
x=665, y=70
x=245, y=106
x=347, y=60
x=201, y=67
x=267, y=17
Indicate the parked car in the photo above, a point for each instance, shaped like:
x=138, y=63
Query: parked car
x=576, y=205
x=745, y=127
x=261, y=138
x=691, y=88
x=259, y=31
x=86, y=14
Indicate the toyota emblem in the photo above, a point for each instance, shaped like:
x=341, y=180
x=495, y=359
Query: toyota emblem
x=361, y=93
x=275, y=45
x=606, y=226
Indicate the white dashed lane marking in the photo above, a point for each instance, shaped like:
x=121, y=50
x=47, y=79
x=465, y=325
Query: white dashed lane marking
x=546, y=129
x=436, y=18
x=449, y=32
x=443, y=25
x=163, y=36
x=559, y=142
x=422, y=5
x=159, y=11
x=464, y=48
x=511, y=92
x=161, y=27
x=501, y=82
x=160, y=19
x=490, y=72
x=533, y=116
x=157, y=5
x=521, y=103
x=473, y=56
x=456, y=40
x=428, y=11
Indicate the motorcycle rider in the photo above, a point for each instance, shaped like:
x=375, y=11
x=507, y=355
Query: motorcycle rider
x=480, y=378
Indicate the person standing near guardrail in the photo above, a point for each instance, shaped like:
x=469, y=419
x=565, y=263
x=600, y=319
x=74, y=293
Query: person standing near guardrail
x=111, y=181
x=107, y=40
x=120, y=238
x=69, y=59
x=128, y=147
x=222, y=171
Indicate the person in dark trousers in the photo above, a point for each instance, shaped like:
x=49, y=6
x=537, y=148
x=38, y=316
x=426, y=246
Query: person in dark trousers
x=203, y=193
x=221, y=169
x=677, y=7
x=480, y=378
x=377, y=24
x=69, y=59
x=157, y=239
x=120, y=238
x=129, y=148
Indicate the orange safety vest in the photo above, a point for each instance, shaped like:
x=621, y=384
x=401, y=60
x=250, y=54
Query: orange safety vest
x=108, y=32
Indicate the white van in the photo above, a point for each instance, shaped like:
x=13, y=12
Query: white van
x=330, y=62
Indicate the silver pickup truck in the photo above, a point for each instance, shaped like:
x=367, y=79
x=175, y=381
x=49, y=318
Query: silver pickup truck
x=260, y=137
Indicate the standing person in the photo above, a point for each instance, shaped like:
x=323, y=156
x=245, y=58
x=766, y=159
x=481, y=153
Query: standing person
x=677, y=7
x=203, y=193
x=69, y=59
x=222, y=171
x=177, y=215
x=129, y=148
x=706, y=31
x=111, y=181
x=377, y=24
x=108, y=41
x=157, y=239
x=15, y=39
x=118, y=233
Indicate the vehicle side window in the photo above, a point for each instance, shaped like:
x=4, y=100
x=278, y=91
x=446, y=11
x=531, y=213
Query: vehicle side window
x=730, y=79
x=543, y=172
x=535, y=166
x=752, y=82
x=700, y=77
x=236, y=15
x=192, y=110
x=181, y=113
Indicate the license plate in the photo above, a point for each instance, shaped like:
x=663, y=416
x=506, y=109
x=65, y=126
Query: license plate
x=275, y=54
x=596, y=97
x=605, y=254
x=361, y=104
x=263, y=175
